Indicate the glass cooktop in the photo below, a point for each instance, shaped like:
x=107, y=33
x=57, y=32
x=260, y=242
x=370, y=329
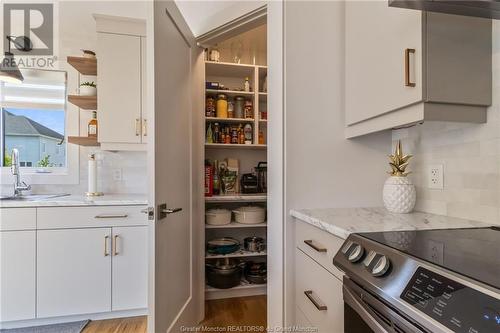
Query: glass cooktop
x=471, y=252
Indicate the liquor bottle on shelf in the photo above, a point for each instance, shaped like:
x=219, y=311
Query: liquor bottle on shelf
x=92, y=127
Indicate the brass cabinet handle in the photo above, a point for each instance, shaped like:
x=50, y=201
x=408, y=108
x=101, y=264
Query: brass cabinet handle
x=137, y=127
x=408, y=82
x=318, y=249
x=106, y=252
x=320, y=307
x=115, y=241
x=145, y=127
x=111, y=216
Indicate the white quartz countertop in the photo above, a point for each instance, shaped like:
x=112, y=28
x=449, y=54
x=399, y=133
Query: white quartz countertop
x=343, y=221
x=80, y=200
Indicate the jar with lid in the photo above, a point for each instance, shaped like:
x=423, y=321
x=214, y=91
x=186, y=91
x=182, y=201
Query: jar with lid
x=248, y=109
x=221, y=106
x=210, y=106
x=239, y=105
x=230, y=109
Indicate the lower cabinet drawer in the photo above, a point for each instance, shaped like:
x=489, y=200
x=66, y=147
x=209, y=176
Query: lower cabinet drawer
x=90, y=217
x=301, y=321
x=319, y=245
x=318, y=295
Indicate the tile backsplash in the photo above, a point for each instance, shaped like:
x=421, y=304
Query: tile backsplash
x=470, y=155
x=133, y=167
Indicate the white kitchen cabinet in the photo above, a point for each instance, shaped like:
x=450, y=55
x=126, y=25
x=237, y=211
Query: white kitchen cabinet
x=73, y=271
x=130, y=268
x=121, y=83
x=17, y=275
x=405, y=66
x=318, y=294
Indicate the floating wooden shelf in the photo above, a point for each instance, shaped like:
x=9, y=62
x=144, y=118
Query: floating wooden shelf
x=83, y=141
x=85, y=66
x=84, y=102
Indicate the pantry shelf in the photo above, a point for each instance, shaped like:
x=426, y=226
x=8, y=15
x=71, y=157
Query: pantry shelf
x=233, y=146
x=230, y=92
x=229, y=120
x=236, y=225
x=244, y=289
x=237, y=198
x=237, y=254
x=228, y=69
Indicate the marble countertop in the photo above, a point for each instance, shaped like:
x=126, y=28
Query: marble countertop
x=343, y=221
x=80, y=200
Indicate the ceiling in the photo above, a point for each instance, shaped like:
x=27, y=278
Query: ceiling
x=205, y=15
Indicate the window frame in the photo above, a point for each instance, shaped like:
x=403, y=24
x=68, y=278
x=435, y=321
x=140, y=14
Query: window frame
x=70, y=174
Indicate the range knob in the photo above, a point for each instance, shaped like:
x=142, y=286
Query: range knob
x=353, y=251
x=377, y=264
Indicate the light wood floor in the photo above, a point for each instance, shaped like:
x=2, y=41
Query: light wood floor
x=119, y=325
x=245, y=311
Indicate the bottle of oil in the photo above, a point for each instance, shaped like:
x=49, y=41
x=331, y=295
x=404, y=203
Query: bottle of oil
x=92, y=127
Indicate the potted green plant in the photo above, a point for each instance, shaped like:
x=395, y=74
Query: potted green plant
x=88, y=89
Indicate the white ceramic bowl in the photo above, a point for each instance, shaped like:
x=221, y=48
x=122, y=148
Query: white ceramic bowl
x=250, y=215
x=218, y=216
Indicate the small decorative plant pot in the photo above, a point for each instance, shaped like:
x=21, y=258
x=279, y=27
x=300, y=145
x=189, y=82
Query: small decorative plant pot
x=88, y=91
x=399, y=195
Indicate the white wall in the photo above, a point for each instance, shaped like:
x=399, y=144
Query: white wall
x=470, y=154
x=323, y=169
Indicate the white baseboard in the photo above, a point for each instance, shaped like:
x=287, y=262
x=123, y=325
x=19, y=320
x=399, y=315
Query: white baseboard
x=66, y=319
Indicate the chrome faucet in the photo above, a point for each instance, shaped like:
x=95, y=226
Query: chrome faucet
x=19, y=186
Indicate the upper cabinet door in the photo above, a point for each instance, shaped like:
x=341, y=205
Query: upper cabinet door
x=119, y=88
x=377, y=38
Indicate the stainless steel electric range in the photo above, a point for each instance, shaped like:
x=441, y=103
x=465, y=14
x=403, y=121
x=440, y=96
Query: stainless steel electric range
x=422, y=281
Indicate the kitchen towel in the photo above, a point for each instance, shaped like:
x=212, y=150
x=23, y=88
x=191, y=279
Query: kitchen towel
x=73, y=327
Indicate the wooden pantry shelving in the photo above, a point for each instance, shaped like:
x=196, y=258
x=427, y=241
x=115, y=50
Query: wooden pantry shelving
x=232, y=77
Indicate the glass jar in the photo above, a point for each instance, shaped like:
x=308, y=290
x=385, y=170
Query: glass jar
x=210, y=106
x=248, y=109
x=221, y=106
x=239, y=105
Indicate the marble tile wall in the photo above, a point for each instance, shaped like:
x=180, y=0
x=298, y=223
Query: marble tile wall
x=470, y=154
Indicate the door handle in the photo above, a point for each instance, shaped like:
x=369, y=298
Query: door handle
x=115, y=242
x=106, y=252
x=163, y=211
x=311, y=244
x=408, y=82
x=320, y=307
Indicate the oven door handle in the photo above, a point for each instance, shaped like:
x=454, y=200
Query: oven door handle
x=355, y=303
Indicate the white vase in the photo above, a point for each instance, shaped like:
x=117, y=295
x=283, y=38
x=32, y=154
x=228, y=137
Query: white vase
x=88, y=91
x=399, y=195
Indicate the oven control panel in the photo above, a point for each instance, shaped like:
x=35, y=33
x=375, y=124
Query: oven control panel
x=460, y=308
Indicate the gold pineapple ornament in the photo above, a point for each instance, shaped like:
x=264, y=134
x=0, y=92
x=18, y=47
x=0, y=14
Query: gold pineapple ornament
x=399, y=162
x=399, y=193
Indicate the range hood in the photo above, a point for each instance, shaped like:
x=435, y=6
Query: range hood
x=478, y=8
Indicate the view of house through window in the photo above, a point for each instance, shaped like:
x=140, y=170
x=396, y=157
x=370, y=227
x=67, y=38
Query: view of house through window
x=33, y=119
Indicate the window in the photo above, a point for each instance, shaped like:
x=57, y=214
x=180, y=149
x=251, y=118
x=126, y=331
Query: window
x=32, y=119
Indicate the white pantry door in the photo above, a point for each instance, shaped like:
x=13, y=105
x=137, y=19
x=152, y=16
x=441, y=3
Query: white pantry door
x=172, y=303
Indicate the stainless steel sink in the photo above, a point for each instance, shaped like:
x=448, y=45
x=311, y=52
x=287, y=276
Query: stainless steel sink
x=34, y=197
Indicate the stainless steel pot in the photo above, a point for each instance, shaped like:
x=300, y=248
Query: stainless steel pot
x=254, y=244
x=224, y=274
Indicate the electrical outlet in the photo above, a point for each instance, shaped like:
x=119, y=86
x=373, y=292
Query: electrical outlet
x=436, y=250
x=117, y=175
x=435, y=176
